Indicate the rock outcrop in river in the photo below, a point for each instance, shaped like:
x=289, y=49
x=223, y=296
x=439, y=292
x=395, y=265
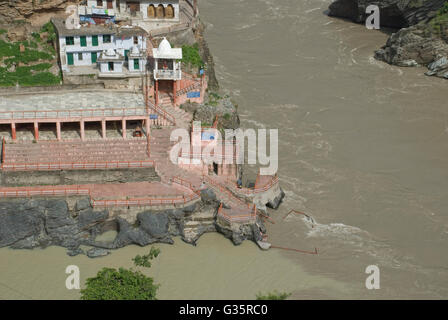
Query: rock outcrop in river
x=31, y=223
x=393, y=13
x=422, y=39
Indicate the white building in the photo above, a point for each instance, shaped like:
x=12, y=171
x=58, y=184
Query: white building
x=147, y=10
x=167, y=68
x=111, y=63
x=167, y=65
x=80, y=49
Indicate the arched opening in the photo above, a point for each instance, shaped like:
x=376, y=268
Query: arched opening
x=160, y=11
x=169, y=12
x=151, y=12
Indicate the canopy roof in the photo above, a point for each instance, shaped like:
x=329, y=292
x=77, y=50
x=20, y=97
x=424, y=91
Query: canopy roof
x=164, y=51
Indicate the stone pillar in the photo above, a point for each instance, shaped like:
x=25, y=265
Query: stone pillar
x=13, y=131
x=123, y=128
x=103, y=128
x=148, y=135
x=58, y=130
x=147, y=128
x=156, y=94
x=36, y=131
x=81, y=126
x=174, y=92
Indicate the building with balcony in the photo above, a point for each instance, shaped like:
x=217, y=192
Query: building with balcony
x=85, y=50
x=167, y=67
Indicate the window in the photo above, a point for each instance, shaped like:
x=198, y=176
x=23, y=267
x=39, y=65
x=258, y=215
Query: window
x=80, y=56
x=136, y=64
x=69, y=41
x=99, y=3
x=111, y=66
x=93, y=57
x=135, y=40
x=95, y=41
x=106, y=38
x=83, y=40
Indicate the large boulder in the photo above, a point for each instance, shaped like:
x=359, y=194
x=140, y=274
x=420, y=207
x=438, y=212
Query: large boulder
x=89, y=217
x=19, y=220
x=393, y=13
x=411, y=47
x=128, y=234
x=155, y=224
x=60, y=226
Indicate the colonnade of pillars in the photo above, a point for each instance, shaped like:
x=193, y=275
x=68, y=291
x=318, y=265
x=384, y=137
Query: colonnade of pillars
x=81, y=127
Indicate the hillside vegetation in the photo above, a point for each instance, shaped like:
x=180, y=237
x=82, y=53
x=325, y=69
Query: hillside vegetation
x=30, y=62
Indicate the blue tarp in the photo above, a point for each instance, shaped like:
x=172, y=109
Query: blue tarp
x=195, y=94
x=207, y=135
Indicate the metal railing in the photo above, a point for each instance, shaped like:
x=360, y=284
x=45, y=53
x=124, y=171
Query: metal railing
x=160, y=74
x=65, y=114
x=144, y=201
x=251, y=191
x=166, y=115
x=250, y=217
x=54, y=191
x=77, y=165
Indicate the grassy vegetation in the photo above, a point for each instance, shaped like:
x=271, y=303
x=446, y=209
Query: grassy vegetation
x=273, y=296
x=35, y=75
x=213, y=99
x=190, y=56
x=29, y=67
x=440, y=21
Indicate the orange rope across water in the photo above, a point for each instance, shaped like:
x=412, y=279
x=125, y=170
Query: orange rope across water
x=266, y=217
x=296, y=250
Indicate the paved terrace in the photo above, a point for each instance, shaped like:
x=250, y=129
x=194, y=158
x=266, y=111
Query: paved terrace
x=64, y=105
x=81, y=106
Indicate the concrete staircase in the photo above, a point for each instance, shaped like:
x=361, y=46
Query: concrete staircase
x=76, y=151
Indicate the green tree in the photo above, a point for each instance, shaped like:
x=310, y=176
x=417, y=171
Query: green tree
x=275, y=295
x=123, y=284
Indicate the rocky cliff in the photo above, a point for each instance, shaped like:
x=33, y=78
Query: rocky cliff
x=393, y=13
x=31, y=223
x=21, y=10
x=422, y=39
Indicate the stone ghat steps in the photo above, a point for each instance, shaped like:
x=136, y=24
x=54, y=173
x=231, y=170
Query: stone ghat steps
x=160, y=147
x=188, y=85
x=183, y=118
x=70, y=152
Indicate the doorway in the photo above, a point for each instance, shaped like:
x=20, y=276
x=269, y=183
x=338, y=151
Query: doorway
x=215, y=168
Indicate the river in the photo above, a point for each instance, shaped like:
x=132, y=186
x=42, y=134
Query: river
x=362, y=149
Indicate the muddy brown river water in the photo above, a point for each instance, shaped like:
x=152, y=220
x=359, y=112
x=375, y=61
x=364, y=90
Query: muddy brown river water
x=363, y=150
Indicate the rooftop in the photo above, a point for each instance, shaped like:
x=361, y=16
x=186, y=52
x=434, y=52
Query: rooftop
x=99, y=101
x=97, y=29
x=92, y=29
x=164, y=51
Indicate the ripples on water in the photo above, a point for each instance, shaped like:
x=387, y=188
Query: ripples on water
x=362, y=144
x=362, y=150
